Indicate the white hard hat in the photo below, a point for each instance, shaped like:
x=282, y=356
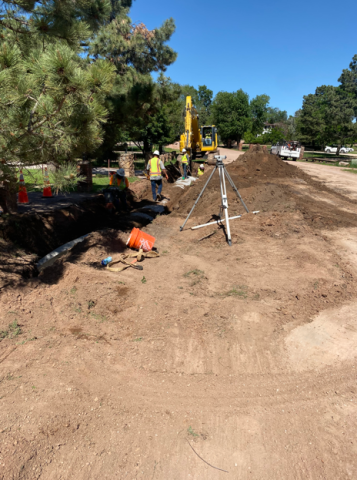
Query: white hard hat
x=121, y=172
x=156, y=152
x=184, y=150
x=202, y=166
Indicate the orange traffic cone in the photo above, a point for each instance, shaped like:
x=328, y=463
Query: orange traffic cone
x=47, y=191
x=23, y=197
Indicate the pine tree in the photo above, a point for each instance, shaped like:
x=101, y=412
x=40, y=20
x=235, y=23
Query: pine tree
x=135, y=52
x=52, y=101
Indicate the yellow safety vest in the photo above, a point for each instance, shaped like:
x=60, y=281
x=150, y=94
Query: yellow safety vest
x=121, y=182
x=184, y=159
x=155, y=168
x=200, y=172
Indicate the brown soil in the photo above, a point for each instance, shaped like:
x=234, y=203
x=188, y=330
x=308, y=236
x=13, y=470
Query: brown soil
x=242, y=356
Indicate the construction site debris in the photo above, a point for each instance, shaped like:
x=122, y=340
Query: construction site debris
x=140, y=240
x=106, y=261
x=138, y=257
x=51, y=257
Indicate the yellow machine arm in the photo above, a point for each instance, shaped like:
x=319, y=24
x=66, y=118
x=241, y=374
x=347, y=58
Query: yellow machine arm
x=194, y=139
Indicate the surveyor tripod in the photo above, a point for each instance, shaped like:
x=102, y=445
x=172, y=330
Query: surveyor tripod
x=223, y=174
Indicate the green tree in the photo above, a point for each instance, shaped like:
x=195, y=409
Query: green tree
x=51, y=100
x=275, y=115
x=201, y=100
x=231, y=114
x=259, y=109
x=205, y=97
x=135, y=52
x=327, y=116
x=159, y=124
x=348, y=80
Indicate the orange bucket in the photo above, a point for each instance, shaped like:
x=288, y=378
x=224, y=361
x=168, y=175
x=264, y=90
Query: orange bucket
x=139, y=239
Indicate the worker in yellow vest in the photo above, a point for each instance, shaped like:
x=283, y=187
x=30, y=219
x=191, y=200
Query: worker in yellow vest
x=156, y=168
x=185, y=161
x=201, y=170
x=121, y=183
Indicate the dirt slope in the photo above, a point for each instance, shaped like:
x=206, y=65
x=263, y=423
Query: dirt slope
x=242, y=356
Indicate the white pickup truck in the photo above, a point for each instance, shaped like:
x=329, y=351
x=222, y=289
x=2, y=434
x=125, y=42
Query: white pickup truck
x=342, y=150
x=286, y=150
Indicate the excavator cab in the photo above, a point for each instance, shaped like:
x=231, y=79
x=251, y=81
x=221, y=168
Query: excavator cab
x=207, y=136
x=197, y=140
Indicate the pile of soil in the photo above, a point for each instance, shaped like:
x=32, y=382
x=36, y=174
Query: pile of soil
x=259, y=164
x=254, y=174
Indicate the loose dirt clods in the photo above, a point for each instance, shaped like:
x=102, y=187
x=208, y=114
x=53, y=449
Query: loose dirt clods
x=240, y=358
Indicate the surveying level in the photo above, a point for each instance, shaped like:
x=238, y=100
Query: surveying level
x=223, y=174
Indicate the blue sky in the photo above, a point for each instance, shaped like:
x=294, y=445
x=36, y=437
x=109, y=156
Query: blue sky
x=283, y=49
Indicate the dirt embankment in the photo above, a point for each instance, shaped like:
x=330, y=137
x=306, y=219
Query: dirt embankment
x=24, y=238
x=242, y=356
x=266, y=184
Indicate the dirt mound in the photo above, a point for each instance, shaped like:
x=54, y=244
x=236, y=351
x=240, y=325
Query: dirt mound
x=258, y=163
x=253, y=173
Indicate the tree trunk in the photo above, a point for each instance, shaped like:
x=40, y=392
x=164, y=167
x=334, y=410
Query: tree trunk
x=8, y=200
x=147, y=152
x=338, y=150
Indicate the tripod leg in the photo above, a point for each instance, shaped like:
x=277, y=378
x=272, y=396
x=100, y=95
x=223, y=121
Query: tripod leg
x=196, y=202
x=225, y=202
x=235, y=189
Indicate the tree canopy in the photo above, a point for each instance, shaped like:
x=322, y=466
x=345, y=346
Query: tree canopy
x=231, y=114
x=52, y=101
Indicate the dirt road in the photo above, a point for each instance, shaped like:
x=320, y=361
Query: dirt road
x=214, y=362
x=335, y=178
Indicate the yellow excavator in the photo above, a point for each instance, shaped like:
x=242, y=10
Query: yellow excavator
x=197, y=140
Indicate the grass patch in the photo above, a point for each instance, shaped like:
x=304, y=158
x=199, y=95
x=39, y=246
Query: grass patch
x=139, y=339
x=34, y=180
x=102, y=181
x=101, y=318
x=196, y=276
x=143, y=280
x=239, y=291
x=191, y=432
x=13, y=331
x=194, y=272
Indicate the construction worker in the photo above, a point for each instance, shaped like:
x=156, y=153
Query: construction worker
x=208, y=138
x=184, y=161
x=201, y=170
x=121, y=183
x=156, y=167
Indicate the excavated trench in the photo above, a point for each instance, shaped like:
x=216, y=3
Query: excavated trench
x=26, y=238
x=266, y=183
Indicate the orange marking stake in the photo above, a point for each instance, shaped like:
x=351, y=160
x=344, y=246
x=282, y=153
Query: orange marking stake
x=23, y=197
x=47, y=191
